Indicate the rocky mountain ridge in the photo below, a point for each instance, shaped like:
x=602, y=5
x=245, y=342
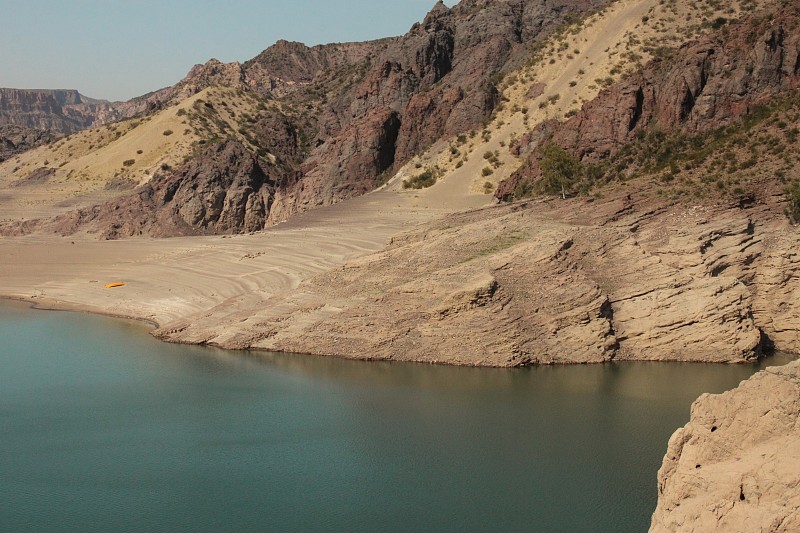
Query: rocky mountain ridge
x=706, y=85
x=361, y=109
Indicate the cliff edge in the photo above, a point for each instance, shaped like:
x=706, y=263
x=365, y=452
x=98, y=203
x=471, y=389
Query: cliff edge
x=735, y=466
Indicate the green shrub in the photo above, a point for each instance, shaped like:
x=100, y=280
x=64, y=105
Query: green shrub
x=792, y=193
x=128, y=162
x=422, y=181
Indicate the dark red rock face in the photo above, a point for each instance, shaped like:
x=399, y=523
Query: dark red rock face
x=431, y=83
x=705, y=85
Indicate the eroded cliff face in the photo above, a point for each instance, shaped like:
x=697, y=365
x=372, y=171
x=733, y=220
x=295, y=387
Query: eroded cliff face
x=704, y=86
x=735, y=467
x=61, y=111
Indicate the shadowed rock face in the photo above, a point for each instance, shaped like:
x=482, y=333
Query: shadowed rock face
x=224, y=190
x=705, y=85
x=17, y=139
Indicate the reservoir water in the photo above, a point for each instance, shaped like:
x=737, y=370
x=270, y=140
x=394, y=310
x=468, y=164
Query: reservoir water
x=103, y=428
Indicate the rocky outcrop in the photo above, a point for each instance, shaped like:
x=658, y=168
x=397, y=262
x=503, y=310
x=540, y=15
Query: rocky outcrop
x=288, y=66
x=338, y=172
x=17, y=139
x=38, y=176
x=705, y=85
x=225, y=190
x=735, y=467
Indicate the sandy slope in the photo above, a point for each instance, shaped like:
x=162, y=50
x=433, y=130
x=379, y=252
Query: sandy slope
x=171, y=278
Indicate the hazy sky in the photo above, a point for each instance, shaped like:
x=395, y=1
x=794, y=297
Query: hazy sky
x=118, y=49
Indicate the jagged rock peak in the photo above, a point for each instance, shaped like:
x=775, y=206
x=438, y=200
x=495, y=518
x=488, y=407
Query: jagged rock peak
x=439, y=9
x=289, y=45
x=433, y=20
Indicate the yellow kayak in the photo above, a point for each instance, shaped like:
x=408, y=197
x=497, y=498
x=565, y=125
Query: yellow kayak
x=112, y=285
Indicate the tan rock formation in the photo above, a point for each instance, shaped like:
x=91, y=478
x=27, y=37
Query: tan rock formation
x=735, y=467
x=538, y=282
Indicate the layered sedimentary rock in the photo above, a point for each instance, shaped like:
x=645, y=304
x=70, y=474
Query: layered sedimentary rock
x=542, y=282
x=735, y=467
x=61, y=111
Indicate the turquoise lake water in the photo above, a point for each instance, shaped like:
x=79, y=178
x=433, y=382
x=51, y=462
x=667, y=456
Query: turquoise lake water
x=106, y=429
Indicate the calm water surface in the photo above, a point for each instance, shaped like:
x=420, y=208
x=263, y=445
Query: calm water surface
x=104, y=428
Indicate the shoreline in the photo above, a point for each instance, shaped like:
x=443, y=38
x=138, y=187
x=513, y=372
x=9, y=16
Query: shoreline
x=45, y=304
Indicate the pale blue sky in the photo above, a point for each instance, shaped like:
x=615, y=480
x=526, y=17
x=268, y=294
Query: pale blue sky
x=118, y=49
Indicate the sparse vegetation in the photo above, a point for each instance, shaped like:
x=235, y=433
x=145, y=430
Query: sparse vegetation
x=424, y=180
x=792, y=193
x=383, y=178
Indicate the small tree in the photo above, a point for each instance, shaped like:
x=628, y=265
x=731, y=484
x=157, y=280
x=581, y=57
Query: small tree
x=561, y=171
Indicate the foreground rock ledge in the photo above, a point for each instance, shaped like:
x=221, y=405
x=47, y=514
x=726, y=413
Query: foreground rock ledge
x=735, y=466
